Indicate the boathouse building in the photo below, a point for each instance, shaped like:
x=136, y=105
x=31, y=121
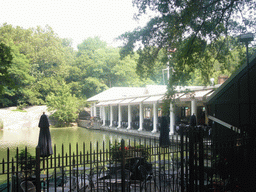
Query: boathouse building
x=141, y=108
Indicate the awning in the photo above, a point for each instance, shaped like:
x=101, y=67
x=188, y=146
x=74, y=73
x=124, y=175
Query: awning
x=199, y=95
x=101, y=104
x=209, y=94
x=114, y=102
x=105, y=103
x=138, y=100
x=202, y=94
x=126, y=101
x=178, y=95
x=153, y=99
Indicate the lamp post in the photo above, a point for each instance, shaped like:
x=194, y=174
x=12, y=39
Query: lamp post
x=246, y=38
x=212, y=81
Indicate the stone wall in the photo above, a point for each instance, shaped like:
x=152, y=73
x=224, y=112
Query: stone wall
x=84, y=123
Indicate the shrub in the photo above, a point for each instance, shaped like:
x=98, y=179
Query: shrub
x=28, y=163
x=130, y=151
x=65, y=107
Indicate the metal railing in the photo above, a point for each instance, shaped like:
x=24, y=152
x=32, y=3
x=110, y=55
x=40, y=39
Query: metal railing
x=193, y=162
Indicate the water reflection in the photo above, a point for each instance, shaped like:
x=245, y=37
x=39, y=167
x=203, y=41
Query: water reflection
x=60, y=136
x=12, y=137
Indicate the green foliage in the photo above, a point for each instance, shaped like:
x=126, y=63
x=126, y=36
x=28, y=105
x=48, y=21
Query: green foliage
x=151, y=62
x=37, y=54
x=42, y=66
x=38, y=67
x=90, y=45
x=5, y=61
x=64, y=105
x=174, y=20
x=98, y=67
x=25, y=160
x=20, y=108
x=195, y=29
x=20, y=73
x=130, y=151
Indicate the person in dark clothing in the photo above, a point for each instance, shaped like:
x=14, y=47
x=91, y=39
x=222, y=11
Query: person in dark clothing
x=193, y=120
x=44, y=141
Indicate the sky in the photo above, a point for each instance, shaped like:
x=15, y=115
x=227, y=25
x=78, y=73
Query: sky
x=74, y=19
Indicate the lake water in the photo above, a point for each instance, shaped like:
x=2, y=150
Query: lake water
x=29, y=137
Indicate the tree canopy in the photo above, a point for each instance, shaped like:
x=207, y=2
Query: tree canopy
x=38, y=67
x=193, y=28
x=5, y=60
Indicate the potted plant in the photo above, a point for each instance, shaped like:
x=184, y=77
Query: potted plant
x=130, y=151
x=26, y=162
x=225, y=172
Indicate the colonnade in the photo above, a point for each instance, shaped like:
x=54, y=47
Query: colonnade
x=102, y=114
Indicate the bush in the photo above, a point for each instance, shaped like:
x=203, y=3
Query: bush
x=65, y=107
x=130, y=151
x=26, y=163
x=22, y=106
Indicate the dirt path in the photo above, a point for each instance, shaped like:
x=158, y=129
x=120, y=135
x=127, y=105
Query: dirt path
x=17, y=120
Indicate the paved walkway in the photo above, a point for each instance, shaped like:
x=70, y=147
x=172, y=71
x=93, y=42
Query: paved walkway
x=132, y=132
x=143, y=134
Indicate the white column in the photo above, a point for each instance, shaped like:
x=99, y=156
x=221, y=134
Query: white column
x=193, y=107
x=111, y=116
x=119, y=116
x=172, y=119
x=94, y=109
x=104, y=116
x=141, y=118
x=129, y=117
x=155, y=119
x=100, y=112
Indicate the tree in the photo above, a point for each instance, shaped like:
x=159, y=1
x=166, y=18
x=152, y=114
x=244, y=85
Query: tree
x=39, y=55
x=5, y=61
x=64, y=105
x=90, y=45
x=188, y=26
x=125, y=73
x=98, y=67
x=49, y=56
x=22, y=93
x=151, y=65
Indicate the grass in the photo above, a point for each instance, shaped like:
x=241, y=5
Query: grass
x=19, y=110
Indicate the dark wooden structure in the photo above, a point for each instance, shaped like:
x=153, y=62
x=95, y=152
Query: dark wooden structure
x=232, y=113
x=234, y=101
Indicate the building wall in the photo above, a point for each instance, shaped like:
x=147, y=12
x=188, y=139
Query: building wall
x=236, y=101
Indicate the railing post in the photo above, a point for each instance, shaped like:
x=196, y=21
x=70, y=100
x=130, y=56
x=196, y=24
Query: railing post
x=8, y=169
x=201, y=159
x=182, y=159
x=38, y=183
x=191, y=159
x=123, y=165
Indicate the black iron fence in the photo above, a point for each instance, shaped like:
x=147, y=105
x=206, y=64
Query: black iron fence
x=193, y=162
